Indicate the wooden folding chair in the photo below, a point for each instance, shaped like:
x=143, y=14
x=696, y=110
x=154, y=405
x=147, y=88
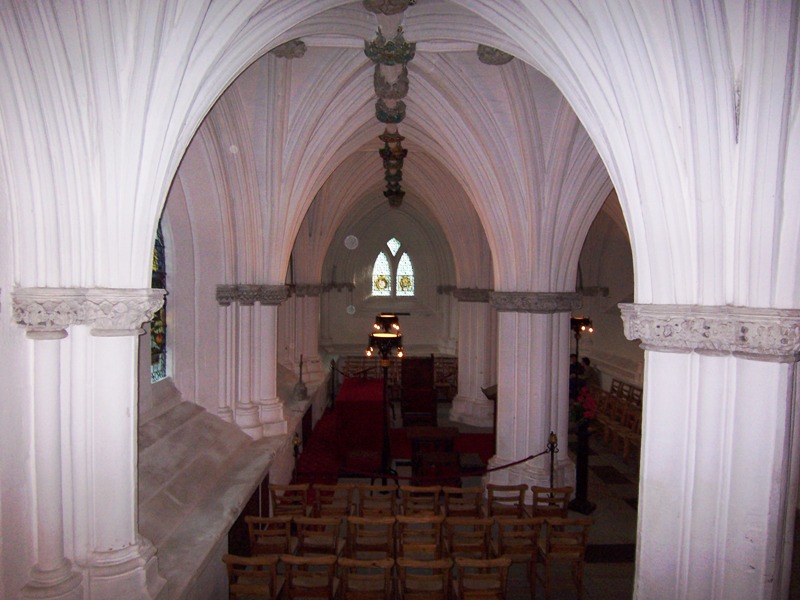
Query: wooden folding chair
x=309, y=577
x=424, y=579
x=419, y=537
x=269, y=535
x=564, y=544
x=506, y=500
x=468, y=537
x=253, y=576
x=370, y=537
x=365, y=579
x=289, y=499
x=420, y=500
x=482, y=579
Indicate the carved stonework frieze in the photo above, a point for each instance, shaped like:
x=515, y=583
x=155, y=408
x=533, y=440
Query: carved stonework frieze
x=47, y=312
x=492, y=56
x=307, y=290
x=272, y=294
x=767, y=334
x=226, y=294
x=387, y=7
x=535, y=302
x=472, y=294
x=291, y=49
x=247, y=294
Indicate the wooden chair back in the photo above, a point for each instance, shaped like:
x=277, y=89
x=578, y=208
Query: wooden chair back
x=318, y=535
x=309, y=577
x=253, y=576
x=332, y=500
x=565, y=542
x=482, y=579
x=365, y=579
x=376, y=500
x=269, y=535
x=463, y=501
x=289, y=499
x=506, y=500
x=550, y=502
x=424, y=579
x=469, y=537
x=370, y=537
x=419, y=536
x=420, y=500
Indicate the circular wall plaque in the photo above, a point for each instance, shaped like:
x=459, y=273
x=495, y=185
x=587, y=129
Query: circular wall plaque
x=351, y=310
x=351, y=242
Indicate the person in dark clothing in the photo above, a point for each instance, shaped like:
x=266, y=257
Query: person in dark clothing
x=576, y=372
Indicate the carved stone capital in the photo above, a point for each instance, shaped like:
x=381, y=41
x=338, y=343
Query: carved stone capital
x=536, y=302
x=472, y=294
x=492, y=56
x=46, y=313
x=290, y=49
x=445, y=289
x=766, y=334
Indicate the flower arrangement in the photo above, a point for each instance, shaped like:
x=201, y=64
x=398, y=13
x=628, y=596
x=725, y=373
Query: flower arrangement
x=584, y=408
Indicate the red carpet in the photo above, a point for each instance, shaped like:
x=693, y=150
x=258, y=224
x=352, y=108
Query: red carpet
x=326, y=456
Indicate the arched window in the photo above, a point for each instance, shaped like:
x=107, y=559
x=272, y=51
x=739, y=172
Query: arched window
x=158, y=324
x=393, y=275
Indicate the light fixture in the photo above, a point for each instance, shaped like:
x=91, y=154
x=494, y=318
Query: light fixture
x=580, y=325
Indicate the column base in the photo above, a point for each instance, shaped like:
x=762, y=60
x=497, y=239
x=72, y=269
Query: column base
x=478, y=412
x=585, y=507
x=248, y=421
x=59, y=584
x=225, y=413
x=130, y=573
x=273, y=421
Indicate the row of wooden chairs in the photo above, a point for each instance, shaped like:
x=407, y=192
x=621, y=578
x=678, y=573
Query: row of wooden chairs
x=433, y=542
x=354, y=579
x=341, y=500
x=621, y=421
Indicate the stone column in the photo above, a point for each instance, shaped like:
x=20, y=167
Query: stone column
x=226, y=352
x=532, y=385
x=719, y=459
x=271, y=407
x=52, y=576
x=307, y=333
x=247, y=408
x=118, y=562
x=476, y=352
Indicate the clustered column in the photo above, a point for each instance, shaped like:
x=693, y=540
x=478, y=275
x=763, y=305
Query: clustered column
x=248, y=325
x=477, y=357
x=532, y=385
x=116, y=558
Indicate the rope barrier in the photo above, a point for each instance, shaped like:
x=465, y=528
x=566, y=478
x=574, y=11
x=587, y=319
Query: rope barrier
x=460, y=474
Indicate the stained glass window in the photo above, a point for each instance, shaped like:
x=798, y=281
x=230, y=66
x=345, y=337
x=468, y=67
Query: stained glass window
x=381, y=276
x=394, y=246
x=158, y=324
x=393, y=276
x=405, y=277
